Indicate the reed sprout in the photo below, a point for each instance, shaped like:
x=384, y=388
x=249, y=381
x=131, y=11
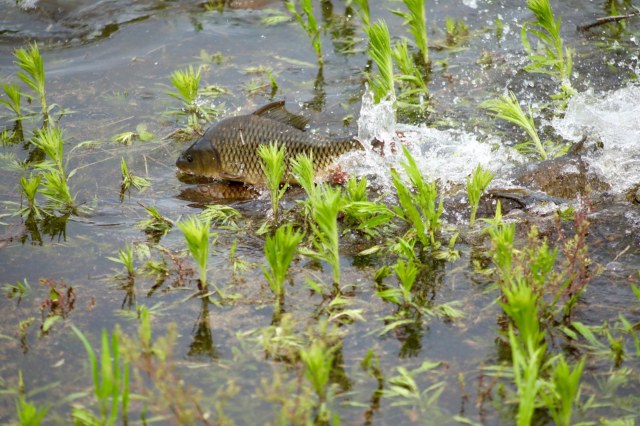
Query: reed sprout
x=418, y=208
x=32, y=74
x=507, y=108
x=318, y=362
x=362, y=9
x=197, y=235
x=125, y=258
x=552, y=58
x=476, y=185
x=28, y=413
x=416, y=18
x=279, y=251
x=309, y=24
x=407, y=274
x=325, y=207
x=379, y=49
x=415, y=91
x=274, y=167
x=302, y=170
x=129, y=179
x=110, y=375
x=54, y=185
x=12, y=91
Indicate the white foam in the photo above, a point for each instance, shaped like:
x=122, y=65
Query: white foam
x=613, y=119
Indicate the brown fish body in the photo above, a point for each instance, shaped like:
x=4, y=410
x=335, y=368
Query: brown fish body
x=229, y=149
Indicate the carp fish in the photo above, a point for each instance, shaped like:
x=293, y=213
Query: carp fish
x=229, y=149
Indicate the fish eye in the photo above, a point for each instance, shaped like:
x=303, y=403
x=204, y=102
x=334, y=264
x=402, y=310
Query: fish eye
x=189, y=158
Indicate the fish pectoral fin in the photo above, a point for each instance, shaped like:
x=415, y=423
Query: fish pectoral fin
x=276, y=111
x=231, y=176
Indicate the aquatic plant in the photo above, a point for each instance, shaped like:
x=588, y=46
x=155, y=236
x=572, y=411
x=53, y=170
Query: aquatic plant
x=407, y=274
x=476, y=185
x=414, y=92
x=30, y=188
x=14, y=96
x=197, y=235
x=32, y=74
x=552, y=57
x=318, y=362
x=416, y=19
x=418, y=207
x=325, y=207
x=127, y=138
x=187, y=85
x=221, y=215
x=308, y=23
x=274, y=168
x=129, y=179
x=562, y=390
x=456, y=31
x=379, y=49
x=302, y=170
x=125, y=258
x=362, y=9
x=507, y=108
x=110, y=376
x=279, y=251
x=155, y=224
x=27, y=412
x=54, y=184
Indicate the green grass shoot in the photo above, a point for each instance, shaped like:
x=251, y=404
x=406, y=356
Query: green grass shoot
x=125, y=258
x=12, y=91
x=54, y=184
x=562, y=390
x=414, y=92
x=552, y=57
x=318, y=361
x=416, y=19
x=302, y=170
x=187, y=84
x=221, y=216
x=197, y=235
x=362, y=9
x=279, y=251
x=456, y=31
x=28, y=413
x=379, y=49
x=309, y=24
x=155, y=223
x=110, y=375
x=507, y=108
x=325, y=207
x=418, y=208
x=274, y=168
x=32, y=74
x=407, y=274
x=30, y=188
x=476, y=185
x=129, y=179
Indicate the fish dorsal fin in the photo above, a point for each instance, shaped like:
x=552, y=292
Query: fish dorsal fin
x=276, y=111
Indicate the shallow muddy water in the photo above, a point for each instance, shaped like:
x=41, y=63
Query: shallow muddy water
x=108, y=64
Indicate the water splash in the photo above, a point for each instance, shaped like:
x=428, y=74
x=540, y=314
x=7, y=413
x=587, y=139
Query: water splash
x=613, y=119
x=446, y=155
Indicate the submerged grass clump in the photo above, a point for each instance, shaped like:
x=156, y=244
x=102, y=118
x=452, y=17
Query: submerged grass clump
x=197, y=235
x=309, y=24
x=279, y=251
x=274, y=167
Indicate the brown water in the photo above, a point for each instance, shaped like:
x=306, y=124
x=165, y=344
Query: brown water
x=109, y=62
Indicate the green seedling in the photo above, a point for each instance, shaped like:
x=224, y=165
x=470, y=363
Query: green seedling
x=407, y=274
x=416, y=18
x=309, y=24
x=551, y=57
x=562, y=390
x=325, y=207
x=125, y=258
x=29, y=188
x=419, y=207
x=222, y=216
x=54, y=185
x=127, y=138
x=19, y=290
x=187, y=84
x=302, y=170
x=414, y=91
x=379, y=50
x=507, y=108
x=362, y=9
x=129, y=179
x=155, y=224
x=476, y=185
x=27, y=412
x=318, y=362
x=197, y=235
x=456, y=31
x=110, y=376
x=12, y=91
x=274, y=167
x=279, y=251
x=526, y=371
x=32, y=74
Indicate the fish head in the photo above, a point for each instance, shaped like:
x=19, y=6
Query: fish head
x=201, y=159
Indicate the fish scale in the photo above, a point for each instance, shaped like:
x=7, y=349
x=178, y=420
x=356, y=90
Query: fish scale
x=229, y=148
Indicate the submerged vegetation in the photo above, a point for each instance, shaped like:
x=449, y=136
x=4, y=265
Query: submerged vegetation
x=339, y=300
